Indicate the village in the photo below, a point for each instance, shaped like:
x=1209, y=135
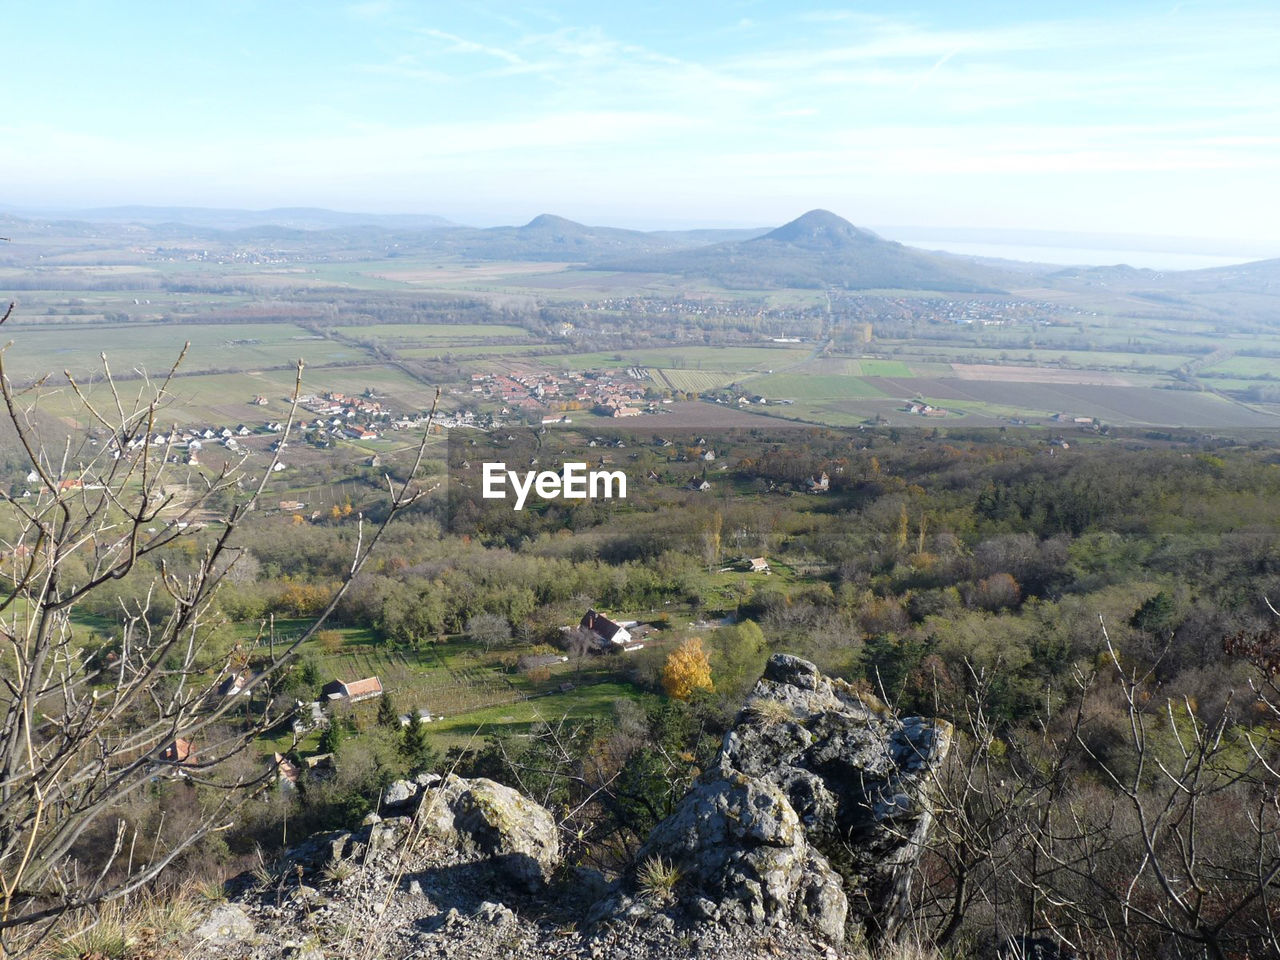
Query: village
x=550, y=396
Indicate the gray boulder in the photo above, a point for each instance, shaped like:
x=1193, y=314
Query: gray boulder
x=858, y=778
x=815, y=811
x=226, y=923
x=741, y=857
x=399, y=795
x=487, y=821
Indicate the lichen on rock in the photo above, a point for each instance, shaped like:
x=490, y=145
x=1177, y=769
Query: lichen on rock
x=815, y=811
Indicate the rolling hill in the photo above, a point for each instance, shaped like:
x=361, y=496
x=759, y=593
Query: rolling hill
x=819, y=249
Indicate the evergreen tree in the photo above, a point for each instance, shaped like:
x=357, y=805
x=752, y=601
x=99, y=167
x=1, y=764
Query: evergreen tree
x=332, y=736
x=387, y=716
x=414, y=747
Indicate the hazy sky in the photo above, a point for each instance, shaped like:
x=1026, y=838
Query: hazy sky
x=1117, y=116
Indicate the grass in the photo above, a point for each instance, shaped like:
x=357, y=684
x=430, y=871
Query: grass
x=690, y=381
x=884, y=368
x=432, y=333
x=1084, y=359
x=767, y=710
x=1249, y=368
x=153, y=348
x=657, y=879
x=595, y=700
x=798, y=386
x=721, y=359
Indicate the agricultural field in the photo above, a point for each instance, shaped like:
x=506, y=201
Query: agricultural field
x=1120, y=405
x=884, y=368
x=1095, y=359
x=1246, y=368
x=153, y=348
x=690, y=381
x=410, y=334
x=804, y=386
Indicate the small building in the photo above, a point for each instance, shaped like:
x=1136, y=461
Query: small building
x=423, y=715
x=233, y=685
x=610, y=633
x=318, y=761
x=180, y=753
x=355, y=691
x=758, y=565
x=819, y=484
x=286, y=771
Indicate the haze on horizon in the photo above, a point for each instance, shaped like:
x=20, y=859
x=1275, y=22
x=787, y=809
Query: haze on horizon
x=1123, y=118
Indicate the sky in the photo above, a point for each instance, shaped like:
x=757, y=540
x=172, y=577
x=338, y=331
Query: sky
x=1119, y=117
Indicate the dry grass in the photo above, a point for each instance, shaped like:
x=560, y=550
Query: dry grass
x=768, y=710
x=150, y=926
x=657, y=879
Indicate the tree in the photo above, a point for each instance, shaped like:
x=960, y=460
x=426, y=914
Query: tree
x=687, y=670
x=489, y=630
x=82, y=730
x=387, y=716
x=333, y=736
x=414, y=747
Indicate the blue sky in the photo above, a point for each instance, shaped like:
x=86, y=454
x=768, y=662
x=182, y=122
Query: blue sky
x=1105, y=117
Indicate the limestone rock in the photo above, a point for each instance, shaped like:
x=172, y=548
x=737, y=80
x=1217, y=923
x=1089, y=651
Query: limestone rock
x=226, y=923
x=492, y=822
x=399, y=794
x=858, y=778
x=814, y=811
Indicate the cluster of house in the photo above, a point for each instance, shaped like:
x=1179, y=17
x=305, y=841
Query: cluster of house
x=609, y=392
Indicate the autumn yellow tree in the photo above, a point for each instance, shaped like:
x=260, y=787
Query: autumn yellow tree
x=688, y=669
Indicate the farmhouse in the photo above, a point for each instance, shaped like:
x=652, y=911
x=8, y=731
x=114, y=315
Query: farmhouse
x=180, y=752
x=610, y=633
x=233, y=685
x=758, y=565
x=355, y=691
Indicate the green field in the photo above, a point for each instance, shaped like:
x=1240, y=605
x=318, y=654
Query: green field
x=153, y=348
x=432, y=333
x=723, y=359
x=690, y=381
x=884, y=368
x=225, y=398
x=1087, y=359
x=469, y=350
x=796, y=386
x=1249, y=368
x=593, y=700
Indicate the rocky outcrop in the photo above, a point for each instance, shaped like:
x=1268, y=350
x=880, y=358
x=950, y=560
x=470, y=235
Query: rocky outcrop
x=478, y=822
x=815, y=811
x=493, y=823
x=808, y=822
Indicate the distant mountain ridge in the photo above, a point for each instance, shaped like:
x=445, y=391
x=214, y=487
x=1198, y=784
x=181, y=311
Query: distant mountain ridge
x=217, y=218
x=816, y=249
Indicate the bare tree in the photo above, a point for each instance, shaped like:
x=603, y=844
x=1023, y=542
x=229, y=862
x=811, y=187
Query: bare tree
x=1130, y=826
x=85, y=725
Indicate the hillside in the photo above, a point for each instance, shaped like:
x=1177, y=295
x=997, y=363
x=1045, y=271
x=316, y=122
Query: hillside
x=820, y=249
